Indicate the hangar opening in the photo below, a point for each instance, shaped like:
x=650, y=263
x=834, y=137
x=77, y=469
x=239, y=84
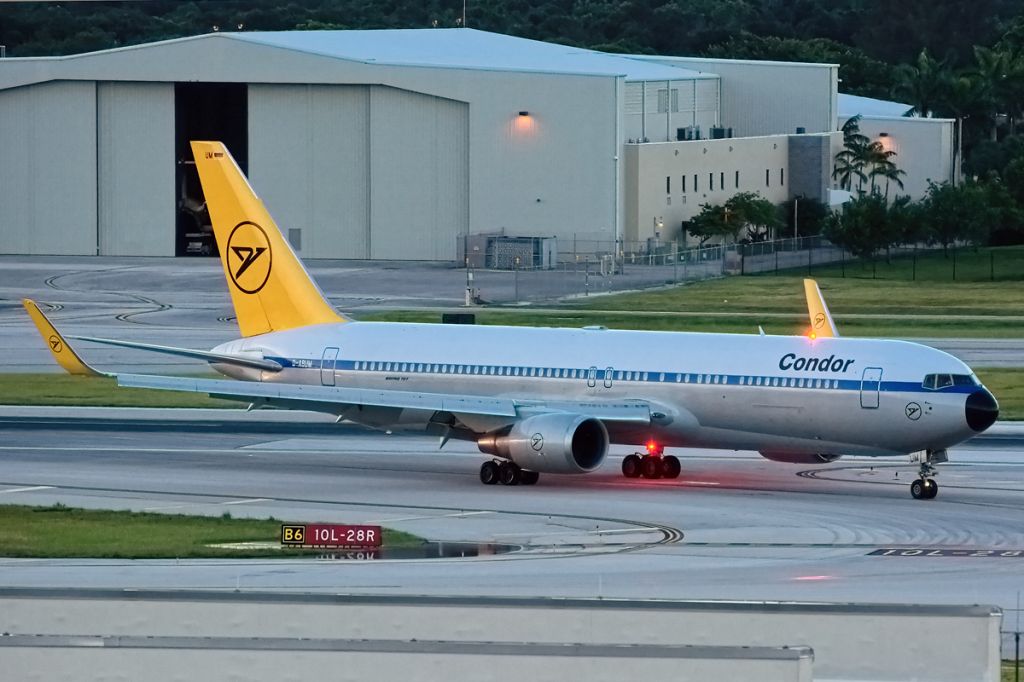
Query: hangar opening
x=204, y=111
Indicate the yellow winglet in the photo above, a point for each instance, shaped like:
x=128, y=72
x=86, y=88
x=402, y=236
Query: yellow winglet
x=270, y=288
x=62, y=352
x=822, y=324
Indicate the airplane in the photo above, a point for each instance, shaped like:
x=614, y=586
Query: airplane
x=552, y=400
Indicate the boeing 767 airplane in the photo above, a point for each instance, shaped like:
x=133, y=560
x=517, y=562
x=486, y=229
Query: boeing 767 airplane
x=543, y=400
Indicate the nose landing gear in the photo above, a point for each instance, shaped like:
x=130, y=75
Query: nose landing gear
x=655, y=464
x=925, y=488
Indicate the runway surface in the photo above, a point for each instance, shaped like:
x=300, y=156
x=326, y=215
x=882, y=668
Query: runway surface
x=734, y=526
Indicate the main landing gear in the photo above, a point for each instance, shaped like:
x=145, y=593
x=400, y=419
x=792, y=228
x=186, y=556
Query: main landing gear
x=655, y=464
x=506, y=473
x=925, y=488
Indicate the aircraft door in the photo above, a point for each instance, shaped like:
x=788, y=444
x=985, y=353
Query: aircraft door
x=592, y=377
x=327, y=363
x=870, y=384
x=608, y=371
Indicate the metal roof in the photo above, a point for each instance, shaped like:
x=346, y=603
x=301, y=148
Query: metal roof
x=464, y=48
x=853, y=105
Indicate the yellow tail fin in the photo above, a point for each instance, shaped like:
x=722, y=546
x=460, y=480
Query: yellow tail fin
x=270, y=288
x=821, y=319
x=62, y=352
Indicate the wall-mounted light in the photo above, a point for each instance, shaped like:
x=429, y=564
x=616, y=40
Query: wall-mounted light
x=524, y=113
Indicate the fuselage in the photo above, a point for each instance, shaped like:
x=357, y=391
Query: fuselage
x=730, y=391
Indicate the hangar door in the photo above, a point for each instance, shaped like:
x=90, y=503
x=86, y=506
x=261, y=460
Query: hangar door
x=356, y=171
x=135, y=124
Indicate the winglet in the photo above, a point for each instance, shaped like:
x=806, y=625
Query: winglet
x=822, y=324
x=62, y=352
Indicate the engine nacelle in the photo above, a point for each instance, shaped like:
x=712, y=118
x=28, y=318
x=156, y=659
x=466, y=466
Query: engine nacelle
x=799, y=457
x=551, y=443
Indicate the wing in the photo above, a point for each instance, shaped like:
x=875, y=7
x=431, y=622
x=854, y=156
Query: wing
x=71, y=361
x=221, y=358
x=337, y=399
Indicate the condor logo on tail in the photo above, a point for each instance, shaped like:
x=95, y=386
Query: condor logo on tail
x=249, y=257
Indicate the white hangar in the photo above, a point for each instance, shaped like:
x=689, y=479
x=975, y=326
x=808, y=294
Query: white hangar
x=395, y=144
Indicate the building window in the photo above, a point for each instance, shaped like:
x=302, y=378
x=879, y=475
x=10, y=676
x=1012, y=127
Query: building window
x=737, y=180
x=767, y=178
x=782, y=176
x=711, y=182
x=663, y=101
x=683, y=178
x=668, y=185
x=695, y=183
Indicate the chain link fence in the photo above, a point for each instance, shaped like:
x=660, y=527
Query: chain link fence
x=580, y=268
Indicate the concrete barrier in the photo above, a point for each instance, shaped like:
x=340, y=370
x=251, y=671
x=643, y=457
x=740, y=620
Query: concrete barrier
x=850, y=641
x=181, y=659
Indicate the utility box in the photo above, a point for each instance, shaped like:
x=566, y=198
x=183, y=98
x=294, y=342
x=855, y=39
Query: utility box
x=502, y=252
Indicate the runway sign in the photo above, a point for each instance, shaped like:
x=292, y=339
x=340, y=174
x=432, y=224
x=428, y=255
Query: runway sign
x=945, y=551
x=331, y=535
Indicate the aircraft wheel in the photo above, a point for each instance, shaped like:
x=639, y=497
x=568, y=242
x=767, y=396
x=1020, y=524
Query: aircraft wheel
x=508, y=473
x=631, y=466
x=489, y=472
x=651, y=467
x=670, y=467
x=931, y=489
x=917, y=490
x=529, y=477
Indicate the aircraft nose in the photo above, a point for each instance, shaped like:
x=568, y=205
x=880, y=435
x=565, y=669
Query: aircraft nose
x=981, y=410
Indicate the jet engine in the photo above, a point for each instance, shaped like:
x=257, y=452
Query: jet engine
x=551, y=443
x=799, y=457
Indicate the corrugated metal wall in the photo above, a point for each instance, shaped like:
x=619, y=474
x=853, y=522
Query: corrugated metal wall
x=136, y=169
x=419, y=188
x=362, y=171
x=308, y=161
x=48, y=173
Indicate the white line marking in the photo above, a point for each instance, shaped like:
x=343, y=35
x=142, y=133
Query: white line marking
x=25, y=490
x=454, y=515
x=255, y=499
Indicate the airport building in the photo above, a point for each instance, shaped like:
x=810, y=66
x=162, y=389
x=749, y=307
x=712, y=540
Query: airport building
x=403, y=144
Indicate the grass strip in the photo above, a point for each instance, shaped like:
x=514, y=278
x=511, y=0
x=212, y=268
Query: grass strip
x=78, y=391
x=738, y=323
x=1007, y=385
x=68, y=532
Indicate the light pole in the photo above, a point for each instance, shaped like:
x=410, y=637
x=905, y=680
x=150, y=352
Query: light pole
x=796, y=213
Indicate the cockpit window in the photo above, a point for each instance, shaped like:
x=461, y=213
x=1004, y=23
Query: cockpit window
x=937, y=381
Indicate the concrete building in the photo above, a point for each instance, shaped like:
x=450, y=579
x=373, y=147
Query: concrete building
x=925, y=147
x=398, y=144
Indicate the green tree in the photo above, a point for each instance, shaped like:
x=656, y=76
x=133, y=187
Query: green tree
x=712, y=222
x=850, y=161
x=752, y=212
x=864, y=226
x=959, y=214
x=925, y=83
x=810, y=216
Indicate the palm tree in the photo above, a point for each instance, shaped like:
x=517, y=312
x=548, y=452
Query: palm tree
x=924, y=83
x=851, y=161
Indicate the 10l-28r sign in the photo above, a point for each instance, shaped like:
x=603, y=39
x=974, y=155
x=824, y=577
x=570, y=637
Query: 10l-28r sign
x=330, y=535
